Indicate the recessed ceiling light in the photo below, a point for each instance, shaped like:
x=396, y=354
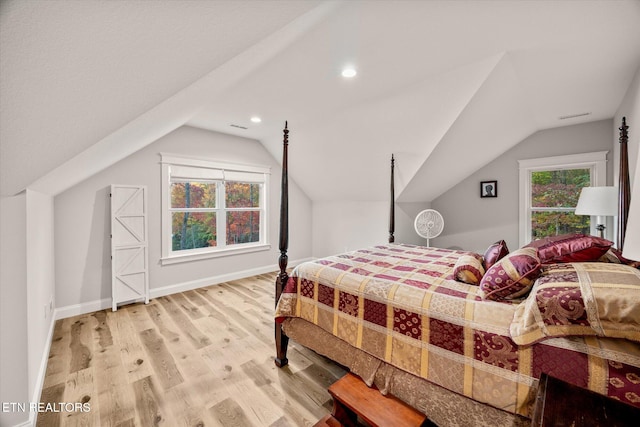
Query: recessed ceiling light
x=256, y=119
x=349, y=72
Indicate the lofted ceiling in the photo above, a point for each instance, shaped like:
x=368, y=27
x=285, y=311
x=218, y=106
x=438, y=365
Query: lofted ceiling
x=74, y=73
x=446, y=86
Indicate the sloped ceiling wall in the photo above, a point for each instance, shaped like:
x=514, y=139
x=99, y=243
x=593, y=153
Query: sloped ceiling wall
x=494, y=119
x=446, y=85
x=73, y=73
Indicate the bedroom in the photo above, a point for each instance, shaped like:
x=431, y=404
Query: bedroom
x=77, y=97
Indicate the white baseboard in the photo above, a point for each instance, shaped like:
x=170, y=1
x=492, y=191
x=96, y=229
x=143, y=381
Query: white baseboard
x=102, y=304
x=208, y=281
x=33, y=415
x=83, y=308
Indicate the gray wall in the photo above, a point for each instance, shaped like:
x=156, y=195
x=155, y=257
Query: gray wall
x=630, y=108
x=341, y=226
x=14, y=384
x=26, y=294
x=82, y=219
x=473, y=223
x=40, y=284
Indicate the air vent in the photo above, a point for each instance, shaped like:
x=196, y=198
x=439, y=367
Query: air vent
x=573, y=116
x=239, y=127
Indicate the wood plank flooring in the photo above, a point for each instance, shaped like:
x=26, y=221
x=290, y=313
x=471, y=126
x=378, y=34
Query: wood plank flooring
x=197, y=358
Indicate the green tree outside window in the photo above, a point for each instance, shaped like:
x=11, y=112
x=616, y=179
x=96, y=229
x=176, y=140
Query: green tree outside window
x=554, y=196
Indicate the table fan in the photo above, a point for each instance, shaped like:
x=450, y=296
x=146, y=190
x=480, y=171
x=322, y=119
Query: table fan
x=429, y=224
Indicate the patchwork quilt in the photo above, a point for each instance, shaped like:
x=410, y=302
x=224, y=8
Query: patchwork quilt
x=590, y=298
x=401, y=304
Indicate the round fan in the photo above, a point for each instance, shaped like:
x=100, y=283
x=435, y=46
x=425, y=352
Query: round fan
x=429, y=224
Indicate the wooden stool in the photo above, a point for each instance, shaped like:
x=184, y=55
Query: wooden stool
x=354, y=400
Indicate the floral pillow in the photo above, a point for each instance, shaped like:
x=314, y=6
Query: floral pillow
x=495, y=253
x=580, y=298
x=468, y=269
x=512, y=277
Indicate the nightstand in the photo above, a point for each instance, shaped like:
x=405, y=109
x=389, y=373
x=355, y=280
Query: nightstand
x=559, y=403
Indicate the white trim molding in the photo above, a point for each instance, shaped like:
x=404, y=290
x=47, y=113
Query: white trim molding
x=105, y=303
x=180, y=168
x=595, y=161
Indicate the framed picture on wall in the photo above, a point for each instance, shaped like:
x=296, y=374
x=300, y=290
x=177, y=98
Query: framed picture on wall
x=489, y=189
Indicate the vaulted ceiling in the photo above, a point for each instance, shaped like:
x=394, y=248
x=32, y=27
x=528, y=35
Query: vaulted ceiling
x=446, y=86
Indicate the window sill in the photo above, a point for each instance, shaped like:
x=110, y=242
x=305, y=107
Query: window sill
x=176, y=259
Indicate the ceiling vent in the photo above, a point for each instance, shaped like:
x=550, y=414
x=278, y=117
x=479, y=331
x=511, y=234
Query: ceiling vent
x=573, y=116
x=239, y=127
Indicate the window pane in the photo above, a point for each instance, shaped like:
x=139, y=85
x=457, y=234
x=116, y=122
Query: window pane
x=558, y=188
x=243, y=227
x=242, y=194
x=545, y=224
x=191, y=230
x=193, y=194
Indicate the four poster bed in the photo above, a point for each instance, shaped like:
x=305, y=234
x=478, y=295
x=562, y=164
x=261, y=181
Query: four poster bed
x=464, y=337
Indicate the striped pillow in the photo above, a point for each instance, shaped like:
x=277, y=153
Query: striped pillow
x=468, y=269
x=512, y=277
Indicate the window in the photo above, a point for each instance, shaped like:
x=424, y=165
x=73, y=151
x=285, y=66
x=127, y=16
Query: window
x=549, y=191
x=212, y=208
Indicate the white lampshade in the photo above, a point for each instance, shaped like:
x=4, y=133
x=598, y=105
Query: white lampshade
x=598, y=201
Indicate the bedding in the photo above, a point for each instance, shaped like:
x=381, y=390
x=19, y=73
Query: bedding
x=613, y=255
x=512, y=276
x=495, y=253
x=468, y=269
x=570, y=248
x=401, y=305
x=444, y=408
x=581, y=299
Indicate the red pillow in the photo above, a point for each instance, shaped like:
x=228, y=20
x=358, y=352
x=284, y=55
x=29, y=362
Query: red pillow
x=495, y=253
x=570, y=248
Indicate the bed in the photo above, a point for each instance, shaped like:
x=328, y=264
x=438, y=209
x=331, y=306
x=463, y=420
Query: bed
x=464, y=337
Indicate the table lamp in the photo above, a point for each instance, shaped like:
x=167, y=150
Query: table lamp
x=600, y=202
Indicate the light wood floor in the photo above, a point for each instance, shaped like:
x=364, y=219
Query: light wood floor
x=196, y=358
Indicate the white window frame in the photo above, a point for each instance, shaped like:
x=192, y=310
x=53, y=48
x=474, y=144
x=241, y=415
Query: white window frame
x=215, y=171
x=595, y=161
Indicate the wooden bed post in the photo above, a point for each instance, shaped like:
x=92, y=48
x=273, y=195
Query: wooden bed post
x=392, y=210
x=282, y=341
x=624, y=191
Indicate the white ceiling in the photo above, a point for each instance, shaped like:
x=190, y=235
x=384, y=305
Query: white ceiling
x=75, y=72
x=445, y=85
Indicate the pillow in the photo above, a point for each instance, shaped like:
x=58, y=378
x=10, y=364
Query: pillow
x=570, y=248
x=512, y=276
x=495, y=253
x=614, y=256
x=468, y=269
x=580, y=299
